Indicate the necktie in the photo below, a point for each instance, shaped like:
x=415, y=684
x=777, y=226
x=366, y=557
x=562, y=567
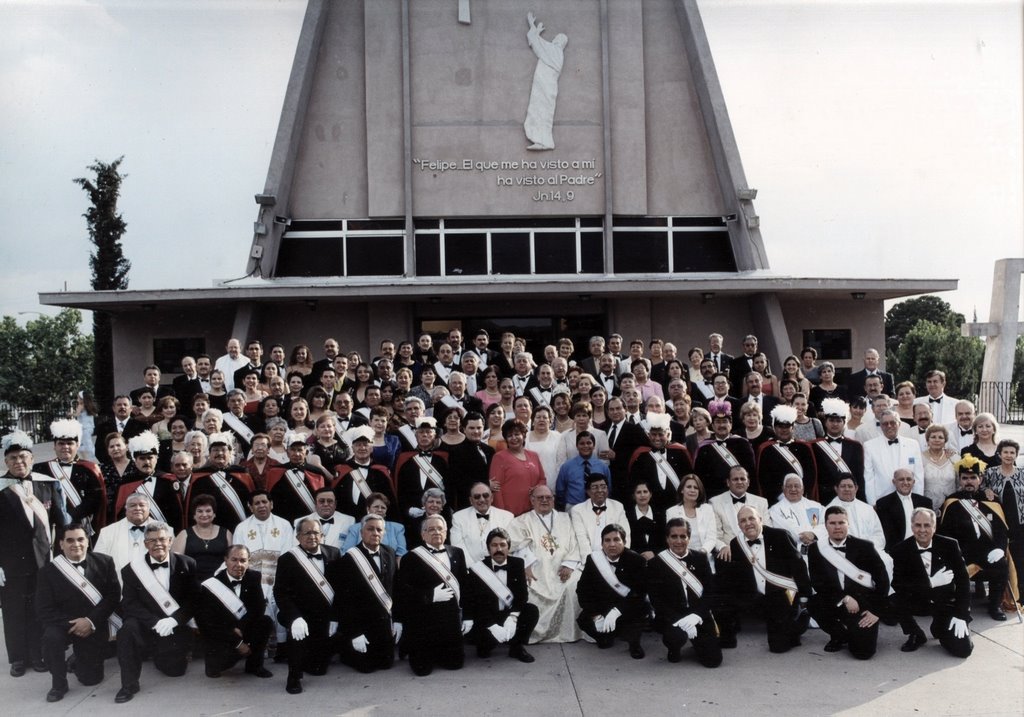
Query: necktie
x=501, y=567
x=742, y=499
x=586, y=467
x=752, y=543
x=483, y=516
x=894, y=441
x=632, y=421
x=157, y=566
x=600, y=509
x=613, y=435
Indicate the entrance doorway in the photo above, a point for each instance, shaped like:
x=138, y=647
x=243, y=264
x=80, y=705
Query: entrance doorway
x=537, y=331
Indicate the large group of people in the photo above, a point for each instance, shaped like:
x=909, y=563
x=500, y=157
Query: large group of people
x=439, y=495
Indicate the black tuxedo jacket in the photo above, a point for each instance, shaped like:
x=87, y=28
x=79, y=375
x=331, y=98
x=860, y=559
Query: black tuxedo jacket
x=645, y=470
x=407, y=479
x=185, y=389
x=958, y=524
x=214, y=620
x=591, y=365
x=630, y=437
x=108, y=424
x=483, y=607
x=671, y=599
x=781, y=557
x=772, y=469
x=767, y=404
x=136, y=602
x=287, y=504
x=357, y=610
x=468, y=467
x=161, y=391
x=378, y=478
x=911, y=583
x=891, y=516
x=470, y=403
x=855, y=383
x=725, y=361
x=596, y=596
x=24, y=547
x=825, y=577
x=202, y=484
x=87, y=479
x=415, y=607
x=738, y=370
x=354, y=420
x=58, y=601
x=297, y=596
x=166, y=495
x=714, y=471
x=828, y=472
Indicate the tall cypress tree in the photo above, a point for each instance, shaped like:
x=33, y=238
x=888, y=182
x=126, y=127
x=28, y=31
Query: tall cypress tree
x=109, y=265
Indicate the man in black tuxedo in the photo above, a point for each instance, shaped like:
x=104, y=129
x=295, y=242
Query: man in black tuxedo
x=662, y=467
x=226, y=482
x=76, y=594
x=363, y=581
x=754, y=383
x=458, y=399
x=151, y=381
x=157, y=601
x=231, y=616
x=851, y=587
x=855, y=383
x=611, y=592
x=431, y=593
x=188, y=384
x=703, y=391
x=254, y=350
x=624, y=437
x=119, y=421
x=743, y=364
x=782, y=456
x=81, y=481
x=895, y=509
x=470, y=461
x=679, y=582
x=835, y=454
x=719, y=358
x=765, y=573
x=930, y=578
x=724, y=451
x=304, y=599
x=497, y=601
x=358, y=477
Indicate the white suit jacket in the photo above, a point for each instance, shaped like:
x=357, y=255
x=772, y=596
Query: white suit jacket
x=588, y=527
x=470, y=534
x=881, y=460
x=117, y=541
x=725, y=515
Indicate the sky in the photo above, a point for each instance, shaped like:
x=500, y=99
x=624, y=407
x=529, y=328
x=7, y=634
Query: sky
x=884, y=138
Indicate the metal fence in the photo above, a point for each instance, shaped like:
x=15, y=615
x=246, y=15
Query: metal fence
x=33, y=421
x=1001, y=399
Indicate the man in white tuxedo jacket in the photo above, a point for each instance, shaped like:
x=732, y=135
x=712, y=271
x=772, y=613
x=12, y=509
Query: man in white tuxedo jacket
x=727, y=504
x=884, y=454
x=943, y=406
x=333, y=525
x=123, y=540
x=470, y=526
x=591, y=516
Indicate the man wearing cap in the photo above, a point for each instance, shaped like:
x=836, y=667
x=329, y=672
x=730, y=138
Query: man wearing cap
x=158, y=601
x=333, y=525
x=420, y=469
x=884, y=454
x=472, y=525
x=229, y=484
x=722, y=452
x=81, y=482
x=76, y=595
x=979, y=526
x=661, y=466
x=836, y=455
x=30, y=512
x=358, y=477
x=783, y=455
x=291, y=486
x=163, y=491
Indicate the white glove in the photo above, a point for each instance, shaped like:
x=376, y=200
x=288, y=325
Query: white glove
x=165, y=626
x=510, y=626
x=332, y=629
x=467, y=625
x=3, y=578
x=943, y=577
x=443, y=593
x=599, y=624
x=500, y=633
x=396, y=631
x=300, y=629
x=959, y=627
x=416, y=512
x=995, y=556
x=688, y=624
x=359, y=643
x=611, y=619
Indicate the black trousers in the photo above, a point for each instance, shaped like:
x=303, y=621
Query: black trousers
x=956, y=646
x=312, y=654
x=380, y=649
x=435, y=644
x=840, y=624
x=627, y=628
x=90, y=652
x=22, y=631
x=528, y=618
x=705, y=644
x=220, y=656
x=780, y=617
x=135, y=642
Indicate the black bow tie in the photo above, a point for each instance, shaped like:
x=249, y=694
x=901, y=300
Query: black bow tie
x=934, y=400
x=315, y=556
x=924, y=550
x=708, y=383
x=968, y=432
x=140, y=528
x=500, y=567
x=373, y=555
x=742, y=499
x=426, y=454
x=157, y=566
x=79, y=565
x=840, y=548
x=327, y=521
x=483, y=516
x=234, y=583
x=658, y=450
x=752, y=543
x=835, y=440
x=435, y=551
x=893, y=441
x=600, y=508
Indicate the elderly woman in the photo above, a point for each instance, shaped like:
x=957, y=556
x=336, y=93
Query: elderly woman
x=754, y=429
x=204, y=541
x=434, y=503
x=515, y=470
x=984, y=447
x=452, y=435
x=277, y=429
x=939, y=468
x=1005, y=482
x=197, y=444
x=695, y=356
x=385, y=445
x=117, y=466
x=827, y=386
x=700, y=420
x=213, y=420
x=693, y=507
x=394, y=533
x=543, y=441
x=327, y=447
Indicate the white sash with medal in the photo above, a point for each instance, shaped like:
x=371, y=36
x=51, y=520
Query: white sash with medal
x=226, y=596
x=790, y=459
x=538, y=396
x=70, y=492
x=408, y=434
x=492, y=582
x=154, y=510
x=977, y=516
x=607, y=572
x=840, y=563
x=834, y=456
x=86, y=587
x=306, y=563
x=443, y=372
x=725, y=454
x=167, y=604
x=779, y=581
x=296, y=479
x=359, y=480
x=229, y=493
x=427, y=469
x=678, y=567
x=238, y=428
x=367, y=572
x=35, y=505
x=666, y=469
x=442, y=572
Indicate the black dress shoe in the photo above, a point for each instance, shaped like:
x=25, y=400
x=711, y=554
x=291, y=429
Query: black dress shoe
x=40, y=665
x=56, y=694
x=727, y=643
x=261, y=672
x=483, y=652
x=294, y=686
x=125, y=694
x=674, y=654
x=835, y=644
x=636, y=652
x=913, y=642
x=17, y=669
x=996, y=613
x=519, y=652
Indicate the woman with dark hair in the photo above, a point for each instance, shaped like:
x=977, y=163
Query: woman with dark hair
x=490, y=378
x=827, y=386
x=385, y=445
x=365, y=376
x=270, y=370
x=791, y=370
x=905, y=395
x=298, y=417
x=146, y=410
x=177, y=428
x=204, y=541
x=646, y=526
x=693, y=507
x=117, y=468
x=515, y=470
x=317, y=399
x=327, y=447
x=858, y=407
x=168, y=407
x=301, y=361
x=598, y=399
x=295, y=383
x=269, y=407
x=217, y=396
x=769, y=381
x=494, y=419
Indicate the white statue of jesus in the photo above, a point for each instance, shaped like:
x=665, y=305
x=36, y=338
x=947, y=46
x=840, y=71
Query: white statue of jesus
x=540, y=115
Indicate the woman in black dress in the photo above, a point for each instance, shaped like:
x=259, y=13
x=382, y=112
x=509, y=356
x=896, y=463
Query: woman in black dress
x=204, y=541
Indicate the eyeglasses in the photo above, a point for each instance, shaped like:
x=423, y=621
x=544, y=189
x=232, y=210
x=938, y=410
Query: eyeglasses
x=480, y=495
x=311, y=532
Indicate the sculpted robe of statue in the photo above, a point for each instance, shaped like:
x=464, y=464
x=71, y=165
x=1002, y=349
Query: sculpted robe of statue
x=540, y=115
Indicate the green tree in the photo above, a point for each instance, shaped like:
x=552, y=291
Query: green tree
x=929, y=345
x=902, y=317
x=109, y=265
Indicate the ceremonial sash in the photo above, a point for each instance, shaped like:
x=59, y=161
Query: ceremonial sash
x=86, y=587
x=36, y=506
x=235, y=424
x=359, y=478
x=834, y=456
x=538, y=396
x=779, y=581
x=167, y=604
x=843, y=565
x=492, y=582
x=679, y=568
x=226, y=596
x=409, y=434
x=978, y=517
x=297, y=482
x=367, y=572
x=607, y=572
x=428, y=469
x=154, y=510
x=65, y=482
x=229, y=493
x=790, y=458
x=315, y=575
x=452, y=402
x=725, y=454
x=444, y=573
x=442, y=372
x=661, y=461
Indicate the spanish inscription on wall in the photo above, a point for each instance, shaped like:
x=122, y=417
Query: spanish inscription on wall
x=543, y=180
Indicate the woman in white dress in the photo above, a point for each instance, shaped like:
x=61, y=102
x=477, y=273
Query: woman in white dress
x=543, y=441
x=939, y=469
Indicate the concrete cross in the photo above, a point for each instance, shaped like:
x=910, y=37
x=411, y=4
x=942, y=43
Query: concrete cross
x=464, y=12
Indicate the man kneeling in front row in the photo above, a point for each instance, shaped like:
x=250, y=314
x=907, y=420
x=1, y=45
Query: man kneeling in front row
x=611, y=593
